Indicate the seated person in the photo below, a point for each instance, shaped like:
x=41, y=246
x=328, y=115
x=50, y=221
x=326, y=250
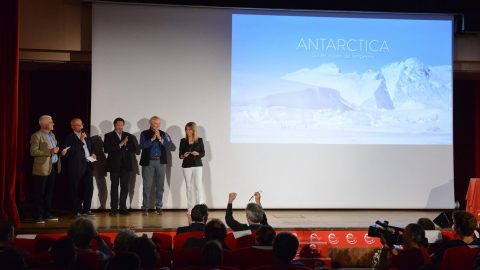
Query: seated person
x=124, y=261
x=215, y=229
x=124, y=240
x=264, y=236
x=464, y=225
x=10, y=257
x=197, y=219
x=212, y=253
x=146, y=251
x=433, y=235
x=426, y=223
x=82, y=232
x=254, y=212
x=413, y=254
x=285, y=246
x=64, y=253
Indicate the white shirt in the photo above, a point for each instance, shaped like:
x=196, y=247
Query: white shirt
x=85, y=148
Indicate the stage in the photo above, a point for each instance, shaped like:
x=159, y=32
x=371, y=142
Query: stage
x=279, y=219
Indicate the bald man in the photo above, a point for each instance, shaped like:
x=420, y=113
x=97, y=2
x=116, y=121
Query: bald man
x=46, y=164
x=79, y=155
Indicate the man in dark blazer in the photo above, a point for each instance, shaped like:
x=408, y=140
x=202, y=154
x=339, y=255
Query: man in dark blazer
x=198, y=216
x=78, y=152
x=119, y=145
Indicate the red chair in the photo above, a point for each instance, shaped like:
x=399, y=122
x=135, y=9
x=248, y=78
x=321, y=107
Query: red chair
x=106, y=238
x=166, y=258
x=180, y=239
x=242, y=242
x=40, y=259
x=459, y=258
x=279, y=267
x=27, y=245
x=164, y=240
x=248, y=257
x=184, y=257
x=43, y=243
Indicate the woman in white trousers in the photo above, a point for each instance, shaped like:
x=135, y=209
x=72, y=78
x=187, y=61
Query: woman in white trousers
x=192, y=151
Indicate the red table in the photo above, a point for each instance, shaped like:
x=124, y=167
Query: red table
x=473, y=197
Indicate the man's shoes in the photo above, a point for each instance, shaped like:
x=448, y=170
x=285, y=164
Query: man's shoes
x=145, y=212
x=89, y=214
x=50, y=218
x=113, y=213
x=124, y=212
x=77, y=215
x=159, y=212
x=38, y=221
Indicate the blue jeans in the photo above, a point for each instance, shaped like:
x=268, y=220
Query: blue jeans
x=153, y=175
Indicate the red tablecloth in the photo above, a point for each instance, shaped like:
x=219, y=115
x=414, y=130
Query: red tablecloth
x=473, y=197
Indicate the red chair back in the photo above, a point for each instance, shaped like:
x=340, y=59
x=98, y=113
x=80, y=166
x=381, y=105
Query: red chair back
x=242, y=242
x=279, y=267
x=88, y=259
x=458, y=258
x=180, y=239
x=184, y=257
x=164, y=240
x=248, y=257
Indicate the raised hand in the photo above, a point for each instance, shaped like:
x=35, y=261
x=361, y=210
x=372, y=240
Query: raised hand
x=231, y=197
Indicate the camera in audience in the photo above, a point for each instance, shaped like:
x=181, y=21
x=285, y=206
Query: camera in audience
x=391, y=234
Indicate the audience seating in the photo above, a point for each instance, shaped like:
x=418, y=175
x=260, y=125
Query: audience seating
x=244, y=241
x=184, y=257
x=199, y=267
x=279, y=267
x=164, y=240
x=244, y=258
x=88, y=259
x=180, y=239
x=459, y=258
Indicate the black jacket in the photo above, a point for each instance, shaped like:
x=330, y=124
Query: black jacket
x=195, y=227
x=75, y=156
x=119, y=158
x=191, y=161
x=237, y=226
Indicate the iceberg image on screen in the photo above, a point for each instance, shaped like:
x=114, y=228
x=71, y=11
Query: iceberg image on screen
x=314, y=90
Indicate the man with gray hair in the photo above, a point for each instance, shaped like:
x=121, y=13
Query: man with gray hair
x=46, y=164
x=154, y=144
x=255, y=214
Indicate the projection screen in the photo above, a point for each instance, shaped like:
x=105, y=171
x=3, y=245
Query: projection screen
x=315, y=109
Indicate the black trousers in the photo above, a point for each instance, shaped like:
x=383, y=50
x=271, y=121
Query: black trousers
x=117, y=178
x=83, y=179
x=43, y=193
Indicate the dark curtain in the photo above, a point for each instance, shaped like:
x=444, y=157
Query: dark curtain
x=9, y=109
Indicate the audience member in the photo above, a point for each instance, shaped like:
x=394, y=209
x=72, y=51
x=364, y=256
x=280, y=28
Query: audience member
x=426, y=223
x=212, y=253
x=215, y=229
x=464, y=225
x=412, y=255
x=146, y=250
x=64, y=253
x=82, y=232
x=285, y=246
x=264, y=236
x=254, y=212
x=10, y=257
x=124, y=240
x=198, y=216
x=124, y=261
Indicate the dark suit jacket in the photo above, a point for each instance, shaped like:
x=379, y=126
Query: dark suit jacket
x=195, y=227
x=118, y=158
x=237, y=226
x=75, y=155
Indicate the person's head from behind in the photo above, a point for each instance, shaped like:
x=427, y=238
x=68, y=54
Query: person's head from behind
x=426, y=223
x=125, y=261
x=215, y=229
x=265, y=235
x=414, y=235
x=82, y=231
x=64, y=253
x=212, y=253
x=285, y=246
x=124, y=240
x=199, y=213
x=146, y=251
x=254, y=213
x=464, y=223
x=7, y=232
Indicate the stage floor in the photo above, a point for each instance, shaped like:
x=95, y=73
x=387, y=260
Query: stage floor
x=279, y=219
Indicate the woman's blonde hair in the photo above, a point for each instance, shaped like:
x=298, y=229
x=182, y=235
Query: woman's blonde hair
x=193, y=127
